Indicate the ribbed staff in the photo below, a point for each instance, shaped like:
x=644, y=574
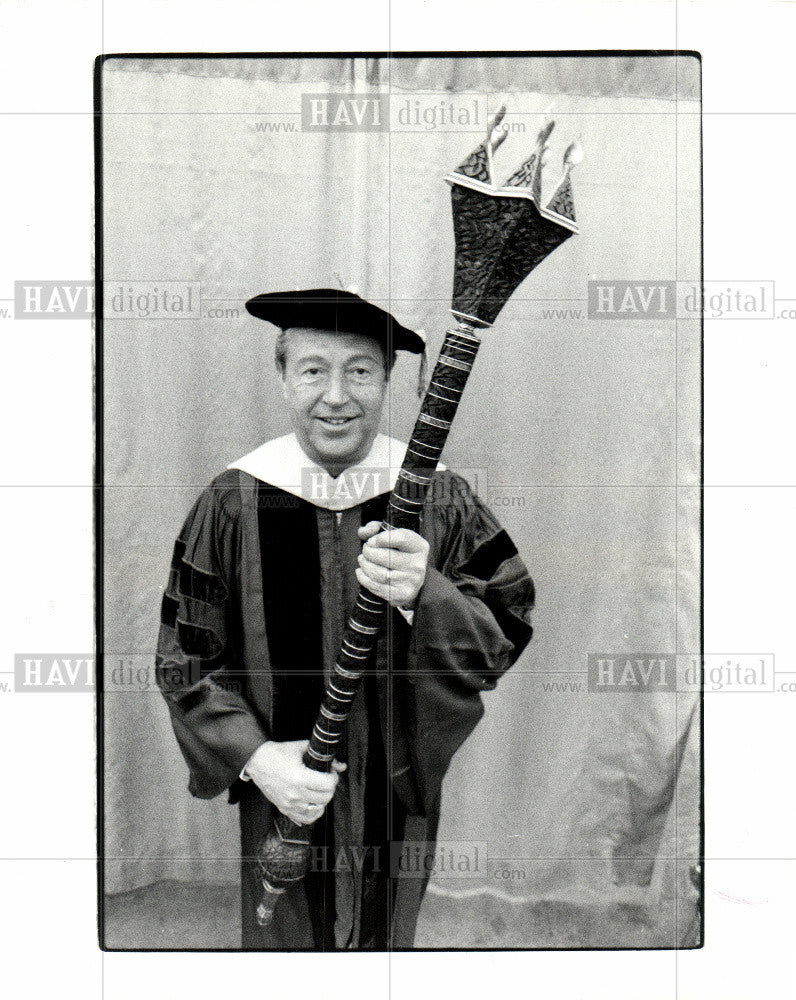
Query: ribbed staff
x=501, y=235
x=403, y=511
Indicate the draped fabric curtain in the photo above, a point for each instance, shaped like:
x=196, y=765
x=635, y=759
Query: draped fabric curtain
x=582, y=434
x=587, y=75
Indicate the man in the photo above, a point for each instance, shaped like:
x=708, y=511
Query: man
x=264, y=572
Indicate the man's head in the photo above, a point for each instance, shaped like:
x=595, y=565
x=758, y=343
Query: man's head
x=334, y=355
x=334, y=385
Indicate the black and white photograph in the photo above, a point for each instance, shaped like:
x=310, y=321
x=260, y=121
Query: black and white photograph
x=398, y=496
x=401, y=647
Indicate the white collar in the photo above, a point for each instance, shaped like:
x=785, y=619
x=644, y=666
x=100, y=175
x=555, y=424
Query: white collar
x=283, y=463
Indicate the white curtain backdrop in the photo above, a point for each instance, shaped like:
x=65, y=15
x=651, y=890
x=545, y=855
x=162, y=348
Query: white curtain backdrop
x=584, y=434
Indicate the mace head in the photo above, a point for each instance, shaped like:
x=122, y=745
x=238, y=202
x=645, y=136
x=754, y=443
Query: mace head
x=504, y=232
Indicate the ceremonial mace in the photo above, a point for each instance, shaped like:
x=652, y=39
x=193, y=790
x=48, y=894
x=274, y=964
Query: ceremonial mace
x=502, y=234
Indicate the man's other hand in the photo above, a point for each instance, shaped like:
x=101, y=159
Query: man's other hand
x=393, y=563
x=300, y=793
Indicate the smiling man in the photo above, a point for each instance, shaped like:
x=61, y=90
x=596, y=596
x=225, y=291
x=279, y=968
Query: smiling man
x=334, y=385
x=263, y=575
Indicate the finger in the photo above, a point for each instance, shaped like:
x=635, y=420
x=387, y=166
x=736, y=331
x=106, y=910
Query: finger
x=400, y=538
x=383, y=574
x=369, y=530
x=339, y=766
x=396, y=596
x=319, y=795
x=379, y=589
x=392, y=558
x=316, y=798
x=388, y=578
x=319, y=781
x=298, y=816
x=378, y=574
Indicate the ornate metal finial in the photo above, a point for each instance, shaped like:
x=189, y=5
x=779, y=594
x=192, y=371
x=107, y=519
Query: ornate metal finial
x=478, y=164
x=503, y=233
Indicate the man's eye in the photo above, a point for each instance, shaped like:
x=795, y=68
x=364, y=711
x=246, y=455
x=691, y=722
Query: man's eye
x=312, y=371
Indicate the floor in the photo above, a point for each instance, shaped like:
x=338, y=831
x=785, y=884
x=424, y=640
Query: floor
x=173, y=915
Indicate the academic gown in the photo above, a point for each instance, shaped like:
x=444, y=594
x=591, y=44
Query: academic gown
x=261, y=581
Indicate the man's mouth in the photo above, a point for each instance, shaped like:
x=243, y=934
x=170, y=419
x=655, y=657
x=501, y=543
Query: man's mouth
x=336, y=421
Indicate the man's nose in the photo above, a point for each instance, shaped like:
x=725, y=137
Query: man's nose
x=336, y=393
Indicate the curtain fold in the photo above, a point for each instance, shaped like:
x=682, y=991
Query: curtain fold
x=661, y=77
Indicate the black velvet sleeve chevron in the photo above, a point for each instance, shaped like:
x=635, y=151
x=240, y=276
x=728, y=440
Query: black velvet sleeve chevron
x=196, y=666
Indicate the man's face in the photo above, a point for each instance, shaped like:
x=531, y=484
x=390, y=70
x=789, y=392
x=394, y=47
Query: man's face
x=334, y=385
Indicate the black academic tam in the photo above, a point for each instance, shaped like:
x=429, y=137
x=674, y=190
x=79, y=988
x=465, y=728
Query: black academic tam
x=336, y=310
